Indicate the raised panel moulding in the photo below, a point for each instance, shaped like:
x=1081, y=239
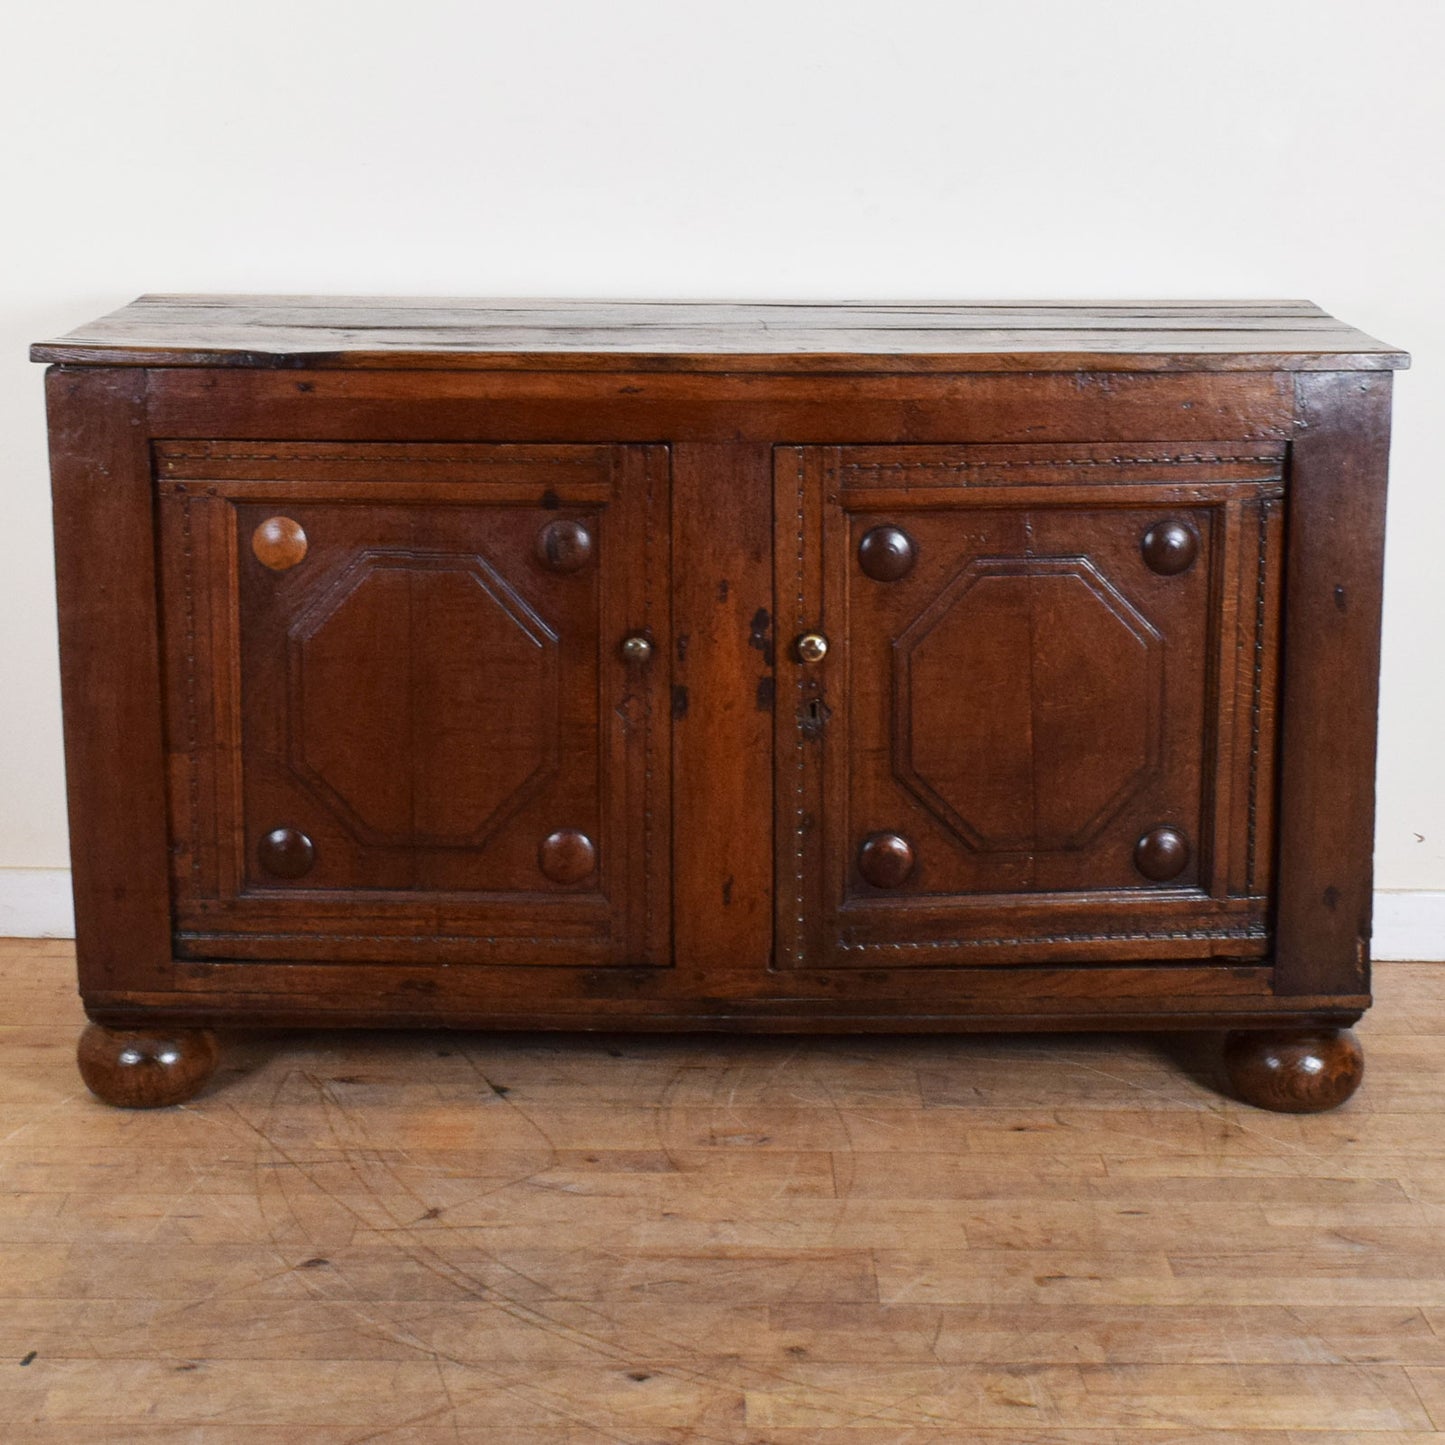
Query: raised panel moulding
x=1022, y=708
x=489, y=716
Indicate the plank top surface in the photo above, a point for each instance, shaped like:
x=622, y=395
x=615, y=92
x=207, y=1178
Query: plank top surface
x=759, y=336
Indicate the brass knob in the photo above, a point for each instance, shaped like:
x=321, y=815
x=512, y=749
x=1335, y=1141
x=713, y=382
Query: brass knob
x=811, y=647
x=637, y=648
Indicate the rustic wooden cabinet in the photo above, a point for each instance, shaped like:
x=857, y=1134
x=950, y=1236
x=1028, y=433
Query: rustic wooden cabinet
x=517, y=664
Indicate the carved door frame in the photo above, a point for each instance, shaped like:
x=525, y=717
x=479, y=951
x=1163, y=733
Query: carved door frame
x=1229, y=496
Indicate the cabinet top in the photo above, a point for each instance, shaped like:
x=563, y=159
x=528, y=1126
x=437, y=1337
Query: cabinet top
x=720, y=336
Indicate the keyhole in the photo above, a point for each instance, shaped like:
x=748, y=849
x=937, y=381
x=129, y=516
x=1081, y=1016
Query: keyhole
x=814, y=717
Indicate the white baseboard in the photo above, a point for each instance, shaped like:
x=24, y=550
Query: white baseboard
x=1409, y=923
x=35, y=903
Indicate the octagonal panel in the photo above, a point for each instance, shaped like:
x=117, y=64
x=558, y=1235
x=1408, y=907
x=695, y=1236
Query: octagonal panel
x=423, y=698
x=1027, y=703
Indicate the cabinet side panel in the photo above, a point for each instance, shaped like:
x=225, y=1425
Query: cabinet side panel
x=1334, y=565
x=110, y=676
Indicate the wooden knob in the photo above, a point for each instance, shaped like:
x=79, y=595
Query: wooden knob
x=886, y=554
x=885, y=860
x=564, y=546
x=1161, y=854
x=811, y=647
x=1170, y=548
x=286, y=853
x=279, y=543
x=567, y=856
x=637, y=648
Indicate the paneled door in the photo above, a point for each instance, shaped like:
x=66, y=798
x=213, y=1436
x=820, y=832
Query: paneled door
x=1026, y=702
x=416, y=701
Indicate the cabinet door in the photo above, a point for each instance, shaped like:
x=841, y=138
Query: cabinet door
x=1031, y=713
x=405, y=719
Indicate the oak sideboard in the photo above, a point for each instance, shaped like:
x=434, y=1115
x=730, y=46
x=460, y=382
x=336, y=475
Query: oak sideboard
x=772, y=666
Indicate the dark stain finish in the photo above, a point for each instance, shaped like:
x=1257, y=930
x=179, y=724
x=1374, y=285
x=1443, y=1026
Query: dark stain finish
x=814, y=718
x=760, y=634
x=1294, y=1071
x=509, y=742
x=146, y=1068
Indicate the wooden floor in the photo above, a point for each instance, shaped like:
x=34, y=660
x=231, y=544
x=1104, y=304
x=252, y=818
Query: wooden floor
x=532, y=1239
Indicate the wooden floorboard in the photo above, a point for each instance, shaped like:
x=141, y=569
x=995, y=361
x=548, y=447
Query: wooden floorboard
x=523, y=1239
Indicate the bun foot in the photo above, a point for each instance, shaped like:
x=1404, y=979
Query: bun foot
x=146, y=1068
x=1294, y=1071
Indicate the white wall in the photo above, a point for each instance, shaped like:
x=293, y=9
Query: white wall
x=813, y=148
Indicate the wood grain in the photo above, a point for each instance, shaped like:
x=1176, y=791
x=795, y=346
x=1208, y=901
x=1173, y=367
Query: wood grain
x=110, y=674
x=421, y=696
x=1027, y=702
x=640, y=406
x=358, y=331
x=1069, y=1240
x=533, y=690
x=1330, y=697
